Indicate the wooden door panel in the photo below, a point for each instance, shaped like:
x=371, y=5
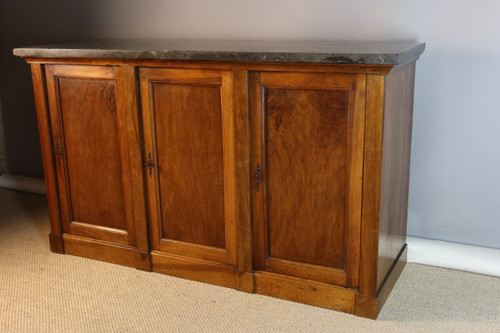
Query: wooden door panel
x=91, y=153
x=190, y=163
x=91, y=144
x=305, y=215
x=188, y=125
x=305, y=135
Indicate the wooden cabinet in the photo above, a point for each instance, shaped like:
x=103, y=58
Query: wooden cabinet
x=284, y=179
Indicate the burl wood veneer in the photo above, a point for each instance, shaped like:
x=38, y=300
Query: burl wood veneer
x=275, y=168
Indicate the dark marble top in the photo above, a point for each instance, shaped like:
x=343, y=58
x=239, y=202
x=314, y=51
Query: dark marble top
x=324, y=52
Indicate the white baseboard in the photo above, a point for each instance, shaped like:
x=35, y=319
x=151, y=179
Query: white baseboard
x=23, y=183
x=462, y=257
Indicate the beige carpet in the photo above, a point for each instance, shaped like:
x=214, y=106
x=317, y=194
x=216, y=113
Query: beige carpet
x=45, y=292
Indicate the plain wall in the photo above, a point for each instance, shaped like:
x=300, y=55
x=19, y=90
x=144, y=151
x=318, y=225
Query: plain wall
x=456, y=145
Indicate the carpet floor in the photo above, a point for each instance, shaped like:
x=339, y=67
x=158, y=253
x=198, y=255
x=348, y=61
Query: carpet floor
x=45, y=292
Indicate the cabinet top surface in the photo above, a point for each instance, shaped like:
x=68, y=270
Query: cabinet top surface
x=323, y=52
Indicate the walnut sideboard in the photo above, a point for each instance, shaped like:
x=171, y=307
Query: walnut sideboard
x=278, y=168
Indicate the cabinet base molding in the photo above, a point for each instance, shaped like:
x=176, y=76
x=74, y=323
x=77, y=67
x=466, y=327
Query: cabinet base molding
x=245, y=282
x=99, y=250
x=369, y=306
x=194, y=269
x=264, y=283
x=56, y=243
x=305, y=291
x=143, y=261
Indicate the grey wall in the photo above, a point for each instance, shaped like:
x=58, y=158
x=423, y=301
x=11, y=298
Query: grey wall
x=31, y=22
x=456, y=145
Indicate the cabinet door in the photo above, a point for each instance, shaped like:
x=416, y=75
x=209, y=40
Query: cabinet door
x=93, y=156
x=188, y=125
x=307, y=150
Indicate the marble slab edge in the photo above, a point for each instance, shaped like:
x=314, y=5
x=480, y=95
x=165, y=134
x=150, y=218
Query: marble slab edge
x=390, y=58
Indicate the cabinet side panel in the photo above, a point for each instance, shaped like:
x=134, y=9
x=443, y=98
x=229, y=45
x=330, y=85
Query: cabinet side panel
x=89, y=121
x=398, y=112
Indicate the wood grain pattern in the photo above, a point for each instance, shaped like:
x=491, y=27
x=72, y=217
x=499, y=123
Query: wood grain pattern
x=303, y=137
x=303, y=270
x=229, y=165
x=113, y=235
x=49, y=167
x=194, y=269
x=143, y=261
x=365, y=306
x=84, y=72
x=126, y=101
x=91, y=146
x=99, y=250
x=152, y=191
x=194, y=77
x=225, y=65
x=91, y=152
x=306, y=80
x=190, y=162
x=304, y=291
x=242, y=157
x=199, y=251
x=391, y=277
x=122, y=105
x=369, y=306
x=305, y=155
x=354, y=177
x=398, y=114
x=245, y=282
x=189, y=124
x=58, y=147
x=386, y=174
x=332, y=143
x=371, y=184
x=259, y=234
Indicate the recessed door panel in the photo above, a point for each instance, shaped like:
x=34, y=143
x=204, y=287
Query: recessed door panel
x=190, y=163
x=92, y=153
x=307, y=156
x=188, y=125
x=92, y=150
x=305, y=160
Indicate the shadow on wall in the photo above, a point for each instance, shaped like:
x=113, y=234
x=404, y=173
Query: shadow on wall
x=3, y=167
x=26, y=23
